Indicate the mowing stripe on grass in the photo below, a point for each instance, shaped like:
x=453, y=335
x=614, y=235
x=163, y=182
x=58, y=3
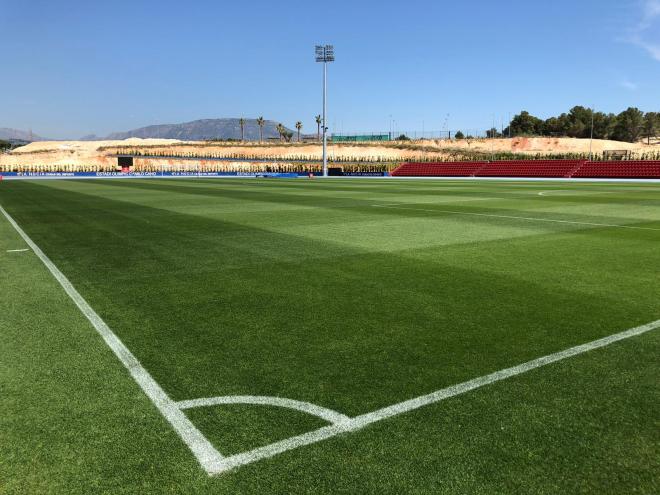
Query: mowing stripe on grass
x=363, y=420
x=210, y=459
x=533, y=219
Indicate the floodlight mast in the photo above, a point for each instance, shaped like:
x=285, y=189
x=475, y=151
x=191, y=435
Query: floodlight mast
x=325, y=54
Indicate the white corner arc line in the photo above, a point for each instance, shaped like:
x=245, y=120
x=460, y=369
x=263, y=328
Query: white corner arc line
x=209, y=458
x=17, y=250
x=329, y=415
x=533, y=219
x=363, y=420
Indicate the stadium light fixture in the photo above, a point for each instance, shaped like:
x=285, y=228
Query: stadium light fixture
x=325, y=54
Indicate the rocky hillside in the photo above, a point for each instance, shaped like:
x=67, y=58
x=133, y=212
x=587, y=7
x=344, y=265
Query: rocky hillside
x=202, y=130
x=18, y=136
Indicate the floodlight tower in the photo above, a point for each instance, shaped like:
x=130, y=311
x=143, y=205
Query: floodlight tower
x=325, y=54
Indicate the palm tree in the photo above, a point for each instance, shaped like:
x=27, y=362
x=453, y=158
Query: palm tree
x=280, y=130
x=241, y=122
x=260, y=123
x=318, y=127
x=298, y=127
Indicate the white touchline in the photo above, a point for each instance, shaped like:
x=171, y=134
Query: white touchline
x=210, y=459
x=363, y=420
x=17, y=250
x=533, y=219
x=448, y=201
x=213, y=462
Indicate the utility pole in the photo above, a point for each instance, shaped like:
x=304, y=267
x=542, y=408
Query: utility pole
x=325, y=54
x=591, y=137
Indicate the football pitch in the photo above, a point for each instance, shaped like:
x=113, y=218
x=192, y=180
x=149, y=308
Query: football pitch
x=329, y=336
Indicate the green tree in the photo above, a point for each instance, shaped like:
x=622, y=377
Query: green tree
x=298, y=127
x=651, y=125
x=318, y=127
x=629, y=125
x=280, y=130
x=459, y=135
x=260, y=123
x=241, y=122
x=578, y=122
x=603, y=125
x=525, y=124
x=492, y=133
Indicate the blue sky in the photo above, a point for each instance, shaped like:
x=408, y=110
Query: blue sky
x=70, y=68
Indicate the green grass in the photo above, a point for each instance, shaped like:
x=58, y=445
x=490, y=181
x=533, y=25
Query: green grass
x=306, y=290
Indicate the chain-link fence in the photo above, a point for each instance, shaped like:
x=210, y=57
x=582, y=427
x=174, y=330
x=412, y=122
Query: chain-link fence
x=398, y=135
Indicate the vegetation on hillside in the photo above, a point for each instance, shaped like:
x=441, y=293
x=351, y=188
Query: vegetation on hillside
x=631, y=125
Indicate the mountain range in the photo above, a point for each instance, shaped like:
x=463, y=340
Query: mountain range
x=200, y=130
x=197, y=130
x=18, y=136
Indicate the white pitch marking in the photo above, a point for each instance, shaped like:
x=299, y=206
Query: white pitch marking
x=324, y=413
x=17, y=250
x=543, y=193
x=209, y=458
x=363, y=420
x=571, y=192
x=448, y=201
x=534, y=219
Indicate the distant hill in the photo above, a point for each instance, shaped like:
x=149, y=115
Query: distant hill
x=201, y=130
x=18, y=136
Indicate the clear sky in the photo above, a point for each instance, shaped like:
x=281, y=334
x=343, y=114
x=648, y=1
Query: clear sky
x=71, y=68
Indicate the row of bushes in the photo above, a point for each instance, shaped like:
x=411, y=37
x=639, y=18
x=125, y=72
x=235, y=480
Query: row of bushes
x=448, y=155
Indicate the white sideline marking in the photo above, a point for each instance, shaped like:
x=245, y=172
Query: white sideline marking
x=533, y=219
x=17, y=250
x=210, y=459
x=363, y=420
x=448, y=201
x=328, y=414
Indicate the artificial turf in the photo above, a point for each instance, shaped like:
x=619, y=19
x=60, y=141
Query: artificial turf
x=350, y=294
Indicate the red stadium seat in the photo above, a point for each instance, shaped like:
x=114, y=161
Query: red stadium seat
x=649, y=169
x=529, y=168
x=438, y=169
x=532, y=168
